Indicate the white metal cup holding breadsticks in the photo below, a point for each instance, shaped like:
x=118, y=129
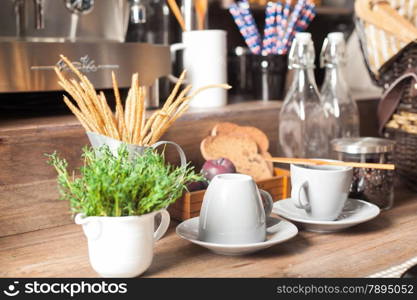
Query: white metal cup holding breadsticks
x=128, y=124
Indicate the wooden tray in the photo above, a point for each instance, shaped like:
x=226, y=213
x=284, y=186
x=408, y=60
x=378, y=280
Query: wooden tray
x=190, y=204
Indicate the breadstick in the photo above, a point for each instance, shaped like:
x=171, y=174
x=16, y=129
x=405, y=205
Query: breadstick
x=66, y=85
x=93, y=103
x=81, y=77
x=71, y=66
x=181, y=97
x=121, y=125
x=77, y=113
x=148, y=126
x=85, y=99
x=146, y=140
x=89, y=89
x=174, y=91
x=159, y=123
x=134, y=104
x=110, y=121
x=141, y=113
x=128, y=113
x=210, y=86
x=104, y=126
x=94, y=112
x=77, y=98
x=138, y=111
x=161, y=131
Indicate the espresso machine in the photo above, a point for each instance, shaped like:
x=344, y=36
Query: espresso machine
x=33, y=34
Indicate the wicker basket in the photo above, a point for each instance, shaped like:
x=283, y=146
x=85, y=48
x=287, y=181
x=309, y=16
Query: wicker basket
x=405, y=155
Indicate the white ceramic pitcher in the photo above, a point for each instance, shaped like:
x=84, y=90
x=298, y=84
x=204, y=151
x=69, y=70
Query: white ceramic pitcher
x=122, y=246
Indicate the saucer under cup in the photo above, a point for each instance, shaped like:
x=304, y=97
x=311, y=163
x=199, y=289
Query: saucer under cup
x=354, y=212
x=278, y=231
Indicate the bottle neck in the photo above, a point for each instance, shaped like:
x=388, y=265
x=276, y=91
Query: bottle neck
x=335, y=77
x=304, y=78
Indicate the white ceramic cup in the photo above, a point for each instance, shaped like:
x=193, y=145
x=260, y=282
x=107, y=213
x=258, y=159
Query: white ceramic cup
x=321, y=191
x=205, y=59
x=122, y=246
x=232, y=211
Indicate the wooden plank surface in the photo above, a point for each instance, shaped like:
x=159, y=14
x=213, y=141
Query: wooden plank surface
x=388, y=240
x=33, y=206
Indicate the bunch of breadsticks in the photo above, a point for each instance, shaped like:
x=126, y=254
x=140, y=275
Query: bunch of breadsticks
x=128, y=123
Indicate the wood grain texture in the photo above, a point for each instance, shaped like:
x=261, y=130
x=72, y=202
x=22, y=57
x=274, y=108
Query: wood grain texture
x=32, y=206
x=360, y=251
x=22, y=155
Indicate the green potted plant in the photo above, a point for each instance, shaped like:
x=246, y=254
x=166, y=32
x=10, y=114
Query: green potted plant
x=116, y=198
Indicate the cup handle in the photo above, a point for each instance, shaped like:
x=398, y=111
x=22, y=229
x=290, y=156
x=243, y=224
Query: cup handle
x=296, y=195
x=174, y=48
x=92, y=229
x=183, y=158
x=269, y=204
x=163, y=226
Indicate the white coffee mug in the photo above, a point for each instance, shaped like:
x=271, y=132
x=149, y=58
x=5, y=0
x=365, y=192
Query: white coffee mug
x=232, y=211
x=122, y=246
x=205, y=60
x=321, y=191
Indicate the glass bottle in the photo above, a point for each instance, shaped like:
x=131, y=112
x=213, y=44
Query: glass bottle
x=335, y=91
x=304, y=125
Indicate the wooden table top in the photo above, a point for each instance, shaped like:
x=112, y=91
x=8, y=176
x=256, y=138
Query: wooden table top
x=388, y=240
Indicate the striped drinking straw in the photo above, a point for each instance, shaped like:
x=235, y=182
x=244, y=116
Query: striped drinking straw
x=290, y=32
x=279, y=27
x=239, y=20
x=308, y=14
x=286, y=14
x=269, y=40
x=254, y=36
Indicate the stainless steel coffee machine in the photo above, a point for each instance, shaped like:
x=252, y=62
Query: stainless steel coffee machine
x=33, y=33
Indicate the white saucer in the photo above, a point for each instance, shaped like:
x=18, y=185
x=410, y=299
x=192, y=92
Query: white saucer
x=354, y=212
x=278, y=231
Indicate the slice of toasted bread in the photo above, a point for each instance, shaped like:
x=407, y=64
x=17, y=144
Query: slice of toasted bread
x=257, y=167
x=241, y=150
x=214, y=147
x=227, y=128
x=258, y=136
x=224, y=128
x=267, y=156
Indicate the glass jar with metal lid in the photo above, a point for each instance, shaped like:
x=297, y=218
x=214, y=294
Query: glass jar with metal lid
x=373, y=185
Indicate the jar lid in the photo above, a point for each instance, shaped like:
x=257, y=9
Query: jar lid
x=363, y=145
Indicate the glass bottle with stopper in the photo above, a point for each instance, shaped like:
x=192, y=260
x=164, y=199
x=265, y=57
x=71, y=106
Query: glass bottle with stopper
x=305, y=127
x=335, y=91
